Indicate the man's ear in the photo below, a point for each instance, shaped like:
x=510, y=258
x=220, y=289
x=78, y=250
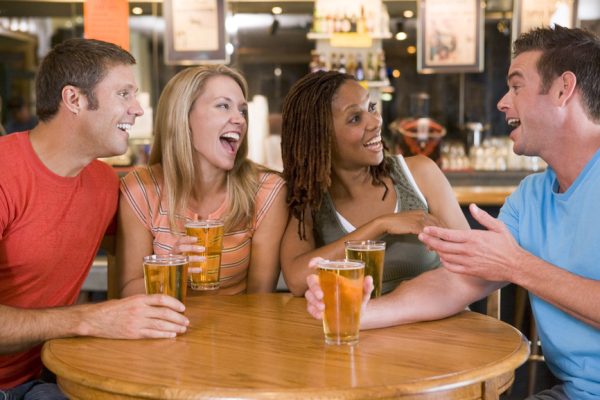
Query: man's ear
x=73, y=99
x=565, y=89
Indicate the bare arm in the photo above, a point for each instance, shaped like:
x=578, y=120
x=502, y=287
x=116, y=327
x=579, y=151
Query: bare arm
x=134, y=242
x=443, y=210
x=264, y=262
x=437, y=190
x=494, y=255
x=156, y=316
x=432, y=295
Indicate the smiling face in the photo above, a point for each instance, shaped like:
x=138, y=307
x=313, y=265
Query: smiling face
x=528, y=111
x=218, y=121
x=106, y=127
x=357, y=125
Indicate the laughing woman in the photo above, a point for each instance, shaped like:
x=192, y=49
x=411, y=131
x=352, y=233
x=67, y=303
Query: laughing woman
x=199, y=167
x=343, y=185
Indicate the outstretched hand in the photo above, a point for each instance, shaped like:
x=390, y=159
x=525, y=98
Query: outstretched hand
x=490, y=254
x=314, y=294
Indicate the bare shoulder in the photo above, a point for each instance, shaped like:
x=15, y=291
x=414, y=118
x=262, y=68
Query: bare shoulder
x=421, y=166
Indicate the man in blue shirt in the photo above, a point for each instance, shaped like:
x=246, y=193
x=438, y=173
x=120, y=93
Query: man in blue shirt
x=547, y=237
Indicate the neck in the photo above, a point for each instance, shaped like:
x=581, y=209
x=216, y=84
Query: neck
x=56, y=148
x=572, y=155
x=350, y=183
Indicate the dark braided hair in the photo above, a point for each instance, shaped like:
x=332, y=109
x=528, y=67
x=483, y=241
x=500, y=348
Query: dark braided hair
x=306, y=139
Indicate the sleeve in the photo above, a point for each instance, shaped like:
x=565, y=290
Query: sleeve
x=137, y=187
x=270, y=184
x=509, y=213
x=4, y=212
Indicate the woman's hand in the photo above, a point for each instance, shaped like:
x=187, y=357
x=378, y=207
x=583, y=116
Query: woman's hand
x=187, y=245
x=409, y=222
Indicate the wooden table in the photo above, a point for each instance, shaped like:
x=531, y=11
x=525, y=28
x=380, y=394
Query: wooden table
x=268, y=347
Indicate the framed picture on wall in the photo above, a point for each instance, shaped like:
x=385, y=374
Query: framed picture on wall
x=194, y=32
x=530, y=14
x=450, y=36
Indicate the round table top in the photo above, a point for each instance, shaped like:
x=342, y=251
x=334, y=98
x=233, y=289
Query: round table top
x=267, y=346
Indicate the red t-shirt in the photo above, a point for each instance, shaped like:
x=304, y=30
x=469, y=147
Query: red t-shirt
x=50, y=231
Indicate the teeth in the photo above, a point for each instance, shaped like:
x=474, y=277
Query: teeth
x=124, y=127
x=375, y=141
x=231, y=135
x=513, y=122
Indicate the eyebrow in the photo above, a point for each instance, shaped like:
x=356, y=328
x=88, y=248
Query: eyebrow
x=245, y=103
x=514, y=74
x=354, y=106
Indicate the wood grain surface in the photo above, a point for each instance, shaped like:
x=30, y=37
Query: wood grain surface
x=482, y=195
x=268, y=347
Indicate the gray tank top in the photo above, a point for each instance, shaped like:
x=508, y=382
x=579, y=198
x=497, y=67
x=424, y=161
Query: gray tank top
x=405, y=256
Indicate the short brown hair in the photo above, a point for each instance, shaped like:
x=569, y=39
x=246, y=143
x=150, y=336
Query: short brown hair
x=79, y=62
x=565, y=49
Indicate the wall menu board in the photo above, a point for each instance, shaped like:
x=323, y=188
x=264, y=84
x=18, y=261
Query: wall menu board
x=195, y=32
x=450, y=36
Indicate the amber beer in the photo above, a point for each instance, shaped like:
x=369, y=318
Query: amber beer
x=205, y=275
x=372, y=253
x=166, y=274
x=342, y=285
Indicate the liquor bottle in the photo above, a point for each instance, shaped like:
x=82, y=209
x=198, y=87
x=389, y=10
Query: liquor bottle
x=346, y=25
x=342, y=66
x=361, y=24
x=333, y=62
x=370, y=75
x=381, y=67
x=351, y=66
x=360, y=72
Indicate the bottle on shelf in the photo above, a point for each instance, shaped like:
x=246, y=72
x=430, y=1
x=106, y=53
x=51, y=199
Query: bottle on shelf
x=381, y=67
x=342, y=65
x=360, y=71
x=370, y=74
x=351, y=66
x=361, y=24
x=333, y=63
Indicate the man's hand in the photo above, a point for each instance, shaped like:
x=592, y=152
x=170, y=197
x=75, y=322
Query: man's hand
x=135, y=317
x=492, y=255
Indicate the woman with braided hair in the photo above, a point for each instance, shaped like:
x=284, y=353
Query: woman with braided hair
x=342, y=184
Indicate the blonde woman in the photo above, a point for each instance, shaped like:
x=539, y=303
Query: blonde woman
x=198, y=167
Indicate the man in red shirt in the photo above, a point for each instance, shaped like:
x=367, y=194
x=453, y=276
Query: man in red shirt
x=56, y=203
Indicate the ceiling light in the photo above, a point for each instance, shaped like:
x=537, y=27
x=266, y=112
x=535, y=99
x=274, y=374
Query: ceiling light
x=401, y=36
x=276, y=10
x=411, y=49
x=408, y=14
x=137, y=10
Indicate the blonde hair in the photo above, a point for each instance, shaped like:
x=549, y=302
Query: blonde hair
x=173, y=148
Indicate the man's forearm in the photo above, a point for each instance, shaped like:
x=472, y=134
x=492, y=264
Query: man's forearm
x=24, y=328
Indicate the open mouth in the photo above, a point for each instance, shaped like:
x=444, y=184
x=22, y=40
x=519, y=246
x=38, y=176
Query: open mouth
x=125, y=127
x=373, y=143
x=230, y=140
x=513, y=122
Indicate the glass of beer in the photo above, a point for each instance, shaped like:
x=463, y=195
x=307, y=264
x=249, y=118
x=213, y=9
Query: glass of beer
x=372, y=253
x=166, y=274
x=205, y=275
x=342, y=285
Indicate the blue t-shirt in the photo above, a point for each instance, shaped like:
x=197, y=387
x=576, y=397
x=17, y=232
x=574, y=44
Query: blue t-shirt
x=564, y=230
